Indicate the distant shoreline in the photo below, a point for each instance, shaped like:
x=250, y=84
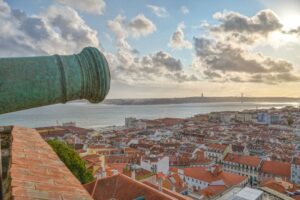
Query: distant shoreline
x=156, y=101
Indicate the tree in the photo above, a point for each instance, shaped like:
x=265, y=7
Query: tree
x=72, y=160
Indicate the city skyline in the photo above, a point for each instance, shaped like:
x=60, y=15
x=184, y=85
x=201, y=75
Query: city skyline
x=165, y=48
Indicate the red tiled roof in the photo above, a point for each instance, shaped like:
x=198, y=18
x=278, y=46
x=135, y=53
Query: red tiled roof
x=275, y=186
x=219, y=147
x=296, y=160
x=279, y=186
x=37, y=172
x=91, y=158
x=276, y=168
x=252, y=161
x=160, y=175
x=169, y=192
x=296, y=197
x=140, y=173
x=174, y=181
x=213, y=190
x=122, y=187
x=200, y=158
x=117, y=166
x=173, y=169
x=204, y=174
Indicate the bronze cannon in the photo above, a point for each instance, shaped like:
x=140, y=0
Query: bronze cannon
x=28, y=82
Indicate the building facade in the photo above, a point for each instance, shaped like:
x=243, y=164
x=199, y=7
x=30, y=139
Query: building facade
x=243, y=165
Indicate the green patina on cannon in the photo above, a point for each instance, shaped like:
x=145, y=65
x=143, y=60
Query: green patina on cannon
x=37, y=81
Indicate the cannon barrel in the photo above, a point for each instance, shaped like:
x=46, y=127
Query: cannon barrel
x=29, y=82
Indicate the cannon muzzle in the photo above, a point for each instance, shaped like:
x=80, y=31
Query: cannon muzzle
x=30, y=82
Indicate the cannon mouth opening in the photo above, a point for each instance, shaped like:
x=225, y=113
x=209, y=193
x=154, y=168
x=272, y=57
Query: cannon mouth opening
x=96, y=74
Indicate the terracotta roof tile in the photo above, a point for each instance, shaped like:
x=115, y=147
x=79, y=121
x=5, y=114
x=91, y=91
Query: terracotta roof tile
x=296, y=160
x=218, y=147
x=213, y=190
x=37, y=172
x=296, y=197
x=204, y=174
x=252, y=161
x=122, y=187
x=117, y=166
x=276, y=168
x=169, y=192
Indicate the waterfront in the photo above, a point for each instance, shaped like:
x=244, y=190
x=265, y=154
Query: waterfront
x=101, y=115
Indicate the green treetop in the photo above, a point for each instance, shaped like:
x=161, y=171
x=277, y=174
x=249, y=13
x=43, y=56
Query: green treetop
x=72, y=160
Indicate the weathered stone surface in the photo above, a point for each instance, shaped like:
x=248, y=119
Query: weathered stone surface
x=36, y=171
x=37, y=81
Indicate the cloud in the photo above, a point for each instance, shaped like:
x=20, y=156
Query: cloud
x=184, y=10
x=226, y=53
x=119, y=27
x=295, y=31
x=182, y=77
x=274, y=78
x=177, y=40
x=141, y=26
x=163, y=59
x=89, y=6
x=137, y=27
x=59, y=29
x=245, y=30
x=263, y=22
x=4, y=9
x=151, y=68
x=129, y=67
x=72, y=29
x=223, y=61
x=158, y=11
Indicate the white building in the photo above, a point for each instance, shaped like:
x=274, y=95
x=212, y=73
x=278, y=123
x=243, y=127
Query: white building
x=217, y=152
x=156, y=164
x=243, y=194
x=243, y=165
x=199, y=178
x=161, y=134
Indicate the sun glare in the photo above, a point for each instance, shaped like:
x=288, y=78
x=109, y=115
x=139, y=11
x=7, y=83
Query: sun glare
x=290, y=21
x=278, y=38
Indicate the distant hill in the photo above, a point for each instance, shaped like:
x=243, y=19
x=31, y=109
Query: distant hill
x=155, y=101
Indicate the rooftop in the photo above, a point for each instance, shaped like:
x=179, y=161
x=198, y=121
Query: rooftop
x=248, y=194
x=217, y=147
x=204, y=174
x=252, y=161
x=169, y=192
x=276, y=168
x=122, y=187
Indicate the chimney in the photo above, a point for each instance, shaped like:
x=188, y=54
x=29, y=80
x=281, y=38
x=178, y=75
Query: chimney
x=133, y=173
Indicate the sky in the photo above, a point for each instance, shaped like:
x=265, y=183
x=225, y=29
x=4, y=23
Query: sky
x=167, y=48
